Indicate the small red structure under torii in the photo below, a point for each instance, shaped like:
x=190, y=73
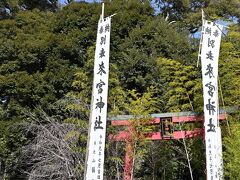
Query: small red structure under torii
x=165, y=123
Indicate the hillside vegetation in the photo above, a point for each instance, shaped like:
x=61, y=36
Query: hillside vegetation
x=46, y=74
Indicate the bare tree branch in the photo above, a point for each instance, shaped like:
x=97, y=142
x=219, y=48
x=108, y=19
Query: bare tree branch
x=50, y=154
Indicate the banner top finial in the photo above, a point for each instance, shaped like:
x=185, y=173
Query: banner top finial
x=203, y=15
x=102, y=16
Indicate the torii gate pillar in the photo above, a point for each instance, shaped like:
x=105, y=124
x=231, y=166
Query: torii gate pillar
x=128, y=161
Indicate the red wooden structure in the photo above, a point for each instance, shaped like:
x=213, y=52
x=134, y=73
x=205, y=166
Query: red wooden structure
x=166, y=131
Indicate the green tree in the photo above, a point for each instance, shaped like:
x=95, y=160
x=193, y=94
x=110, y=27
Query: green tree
x=188, y=12
x=143, y=46
x=231, y=153
x=46, y=60
x=230, y=96
x=140, y=106
x=180, y=86
x=40, y=4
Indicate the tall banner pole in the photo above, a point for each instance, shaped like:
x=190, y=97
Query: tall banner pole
x=97, y=123
x=211, y=37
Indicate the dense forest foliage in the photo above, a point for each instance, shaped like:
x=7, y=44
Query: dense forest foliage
x=46, y=74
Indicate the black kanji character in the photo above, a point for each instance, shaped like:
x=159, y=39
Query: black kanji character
x=97, y=124
x=210, y=107
x=101, y=69
x=211, y=88
x=99, y=86
x=103, y=40
x=211, y=43
x=102, y=53
x=210, y=55
x=209, y=71
x=208, y=30
x=211, y=165
x=107, y=28
x=101, y=30
x=93, y=169
x=211, y=126
x=100, y=104
x=216, y=33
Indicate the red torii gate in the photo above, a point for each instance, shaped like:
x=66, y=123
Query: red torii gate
x=166, y=122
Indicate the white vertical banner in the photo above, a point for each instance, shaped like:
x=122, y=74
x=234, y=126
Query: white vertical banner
x=209, y=59
x=98, y=117
x=218, y=156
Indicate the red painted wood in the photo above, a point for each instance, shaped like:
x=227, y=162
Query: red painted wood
x=128, y=161
x=126, y=136
x=128, y=123
x=175, y=119
x=120, y=123
x=121, y=136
